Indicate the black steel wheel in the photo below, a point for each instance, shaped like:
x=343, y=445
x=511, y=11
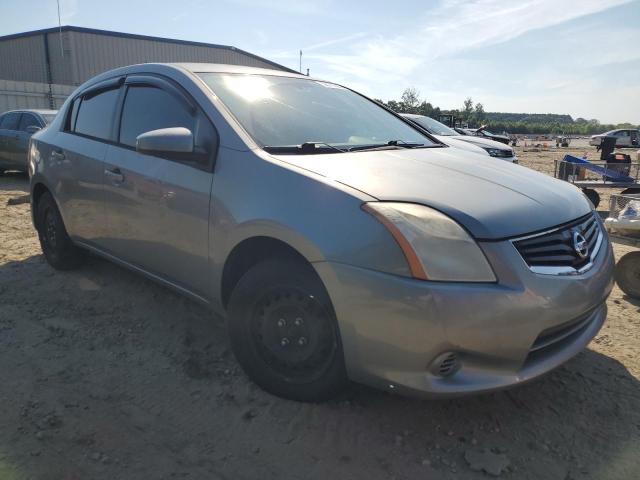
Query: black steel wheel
x=627, y=274
x=284, y=332
x=56, y=245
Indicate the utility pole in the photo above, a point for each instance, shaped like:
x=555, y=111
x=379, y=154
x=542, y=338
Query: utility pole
x=300, y=69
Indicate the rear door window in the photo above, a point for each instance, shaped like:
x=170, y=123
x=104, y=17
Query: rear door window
x=28, y=120
x=10, y=121
x=148, y=108
x=94, y=116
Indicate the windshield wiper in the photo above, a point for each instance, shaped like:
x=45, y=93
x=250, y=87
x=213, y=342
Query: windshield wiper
x=306, y=148
x=404, y=144
x=389, y=145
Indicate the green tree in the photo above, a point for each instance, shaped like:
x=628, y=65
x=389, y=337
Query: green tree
x=467, y=109
x=478, y=115
x=410, y=100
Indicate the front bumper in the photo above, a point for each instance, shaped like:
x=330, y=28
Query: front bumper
x=392, y=327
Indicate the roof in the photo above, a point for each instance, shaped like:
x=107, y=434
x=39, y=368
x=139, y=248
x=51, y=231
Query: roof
x=109, y=33
x=224, y=68
x=39, y=111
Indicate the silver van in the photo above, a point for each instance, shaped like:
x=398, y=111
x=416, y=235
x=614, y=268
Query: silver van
x=339, y=241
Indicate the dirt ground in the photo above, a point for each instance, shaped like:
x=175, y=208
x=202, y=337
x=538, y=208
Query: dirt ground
x=106, y=375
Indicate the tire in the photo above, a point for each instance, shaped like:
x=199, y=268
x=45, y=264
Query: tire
x=593, y=196
x=56, y=245
x=284, y=332
x=627, y=274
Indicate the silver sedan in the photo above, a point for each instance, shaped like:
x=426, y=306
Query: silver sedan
x=339, y=240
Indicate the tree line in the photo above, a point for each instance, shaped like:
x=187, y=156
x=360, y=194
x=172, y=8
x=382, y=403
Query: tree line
x=523, y=123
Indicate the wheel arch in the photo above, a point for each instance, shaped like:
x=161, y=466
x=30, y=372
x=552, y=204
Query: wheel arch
x=38, y=189
x=251, y=251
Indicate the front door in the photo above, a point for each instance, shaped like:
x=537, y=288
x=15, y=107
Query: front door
x=624, y=138
x=157, y=207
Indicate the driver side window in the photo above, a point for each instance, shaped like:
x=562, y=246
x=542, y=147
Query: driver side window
x=149, y=108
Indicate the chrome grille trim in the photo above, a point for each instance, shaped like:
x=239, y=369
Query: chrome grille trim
x=555, y=241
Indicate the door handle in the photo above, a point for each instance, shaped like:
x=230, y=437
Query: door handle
x=115, y=174
x=58, y=155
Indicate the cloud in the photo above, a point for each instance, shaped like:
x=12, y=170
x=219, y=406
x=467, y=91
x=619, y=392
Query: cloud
x=451, y=28
x=68, y=11
x=334, y=41
x=304, y=7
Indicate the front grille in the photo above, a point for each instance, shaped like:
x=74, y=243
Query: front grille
x=556, y=251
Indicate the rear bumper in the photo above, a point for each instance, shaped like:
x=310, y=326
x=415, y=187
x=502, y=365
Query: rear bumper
x=392, y=327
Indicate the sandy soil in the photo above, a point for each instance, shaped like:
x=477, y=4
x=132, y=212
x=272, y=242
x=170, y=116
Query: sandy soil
x=106, y=375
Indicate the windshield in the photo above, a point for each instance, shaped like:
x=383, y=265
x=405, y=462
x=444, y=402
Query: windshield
x=434, y=126
x=284, y=111
x=48, y=117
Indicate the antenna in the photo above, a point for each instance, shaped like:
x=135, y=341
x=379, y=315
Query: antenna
x=60, y=30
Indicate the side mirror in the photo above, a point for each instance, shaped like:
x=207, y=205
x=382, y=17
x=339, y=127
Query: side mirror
x=32, y=129
x=165, y=140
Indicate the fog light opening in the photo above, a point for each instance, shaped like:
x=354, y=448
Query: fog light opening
x=445, y=364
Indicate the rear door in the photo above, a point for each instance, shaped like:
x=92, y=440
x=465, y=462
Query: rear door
x=8, y=140
x=157, y=206
x=77, y=160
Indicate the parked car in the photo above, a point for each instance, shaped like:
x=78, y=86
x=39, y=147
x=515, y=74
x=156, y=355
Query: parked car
x=340, y=241
x=483, y=132
x=16, y=127
x=451, y=137
x=624, y=137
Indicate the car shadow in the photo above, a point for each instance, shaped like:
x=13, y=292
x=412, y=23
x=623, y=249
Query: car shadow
x=14, y=180
x=107, y=374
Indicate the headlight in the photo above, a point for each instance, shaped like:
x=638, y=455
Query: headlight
x=435, y=246
x=499, y=152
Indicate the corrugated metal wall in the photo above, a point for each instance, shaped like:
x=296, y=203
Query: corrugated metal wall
x=23, y=59
x=61, y=58
x=96, y=53
x=15, y=95
x=81, y=55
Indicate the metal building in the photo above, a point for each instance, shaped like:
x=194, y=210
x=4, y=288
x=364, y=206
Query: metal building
x=39, y=69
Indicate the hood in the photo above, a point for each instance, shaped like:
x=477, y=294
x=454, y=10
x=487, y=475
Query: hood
x=457, y=142
x=482, y=142
x=493, y=199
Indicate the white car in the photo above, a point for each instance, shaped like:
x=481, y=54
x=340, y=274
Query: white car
x=624, y=137
x=467, y=142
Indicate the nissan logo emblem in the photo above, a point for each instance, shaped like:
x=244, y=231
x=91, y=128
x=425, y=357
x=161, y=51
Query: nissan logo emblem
x=580, y=245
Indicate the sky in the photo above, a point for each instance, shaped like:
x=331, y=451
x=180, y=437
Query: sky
x=580, y=57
